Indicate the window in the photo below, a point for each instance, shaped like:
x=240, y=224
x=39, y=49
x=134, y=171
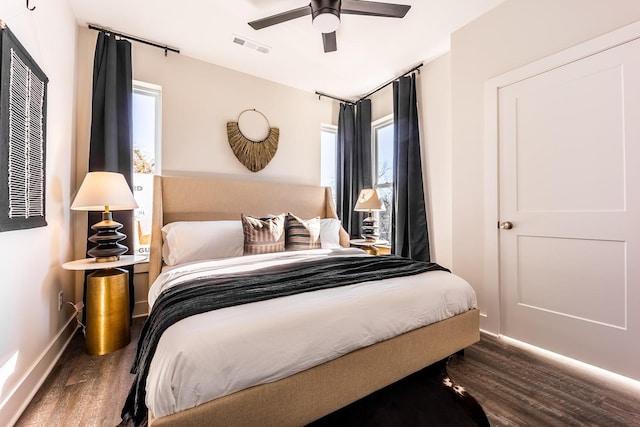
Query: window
x=382, y=153
x=147, y=103
x=328, y=152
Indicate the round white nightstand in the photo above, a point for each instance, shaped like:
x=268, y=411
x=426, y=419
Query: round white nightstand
x=92, y=264
x=375, y=247
x=107, y=307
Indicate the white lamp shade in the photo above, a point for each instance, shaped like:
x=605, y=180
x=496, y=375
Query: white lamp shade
x=369, y=200
x=101, y=190
x=326, y=22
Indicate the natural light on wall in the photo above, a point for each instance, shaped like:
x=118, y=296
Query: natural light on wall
x=147, y=103
x=6, y=370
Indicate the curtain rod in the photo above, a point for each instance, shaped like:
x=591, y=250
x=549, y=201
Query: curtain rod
x=417, y=67
x=320, y=94
x=136, y=39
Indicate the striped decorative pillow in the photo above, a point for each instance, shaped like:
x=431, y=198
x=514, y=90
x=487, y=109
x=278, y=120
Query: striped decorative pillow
x=263, y=235
x=302, y=234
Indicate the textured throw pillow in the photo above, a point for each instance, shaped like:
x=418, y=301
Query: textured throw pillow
x=302, y=234
x=263, y=235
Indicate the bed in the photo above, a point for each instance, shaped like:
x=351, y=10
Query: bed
x=304, y=396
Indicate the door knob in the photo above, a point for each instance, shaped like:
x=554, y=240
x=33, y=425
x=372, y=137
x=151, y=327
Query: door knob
x=505, y=225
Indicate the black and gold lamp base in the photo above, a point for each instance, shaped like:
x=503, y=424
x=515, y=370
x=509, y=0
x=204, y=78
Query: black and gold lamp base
x=107, y=311
x=107, y=240
x=370, y=229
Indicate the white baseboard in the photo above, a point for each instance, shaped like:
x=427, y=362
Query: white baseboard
x=19, y=398
x=493, y=334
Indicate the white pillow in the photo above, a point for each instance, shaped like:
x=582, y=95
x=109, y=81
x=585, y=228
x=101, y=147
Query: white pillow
x=186, y=241
x=330, y=233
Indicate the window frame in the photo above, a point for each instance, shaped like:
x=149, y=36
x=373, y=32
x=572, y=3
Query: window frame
x=155, y=91
x=333, y=129
x=376, y=125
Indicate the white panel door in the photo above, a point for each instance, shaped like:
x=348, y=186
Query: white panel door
x=569, y=177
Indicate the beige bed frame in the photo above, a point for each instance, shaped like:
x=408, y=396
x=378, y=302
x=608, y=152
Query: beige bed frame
x=311, y=394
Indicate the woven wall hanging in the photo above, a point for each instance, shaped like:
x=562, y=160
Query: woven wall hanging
x=255, y=155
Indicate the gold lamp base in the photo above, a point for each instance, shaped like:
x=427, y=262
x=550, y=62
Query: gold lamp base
x=107, y=311
x=371, y=249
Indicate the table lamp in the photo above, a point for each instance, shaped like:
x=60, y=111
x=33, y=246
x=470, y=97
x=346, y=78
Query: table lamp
x=369, y=201
x=106, y=192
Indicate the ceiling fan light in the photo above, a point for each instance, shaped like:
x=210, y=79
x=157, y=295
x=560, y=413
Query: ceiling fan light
x=326, y=22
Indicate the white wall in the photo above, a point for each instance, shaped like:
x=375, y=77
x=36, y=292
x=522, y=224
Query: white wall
x=435, y=101
x=200, y=98
x=513, y=34
x=33, y=331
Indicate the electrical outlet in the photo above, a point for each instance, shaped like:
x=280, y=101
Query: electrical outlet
x=60, y=300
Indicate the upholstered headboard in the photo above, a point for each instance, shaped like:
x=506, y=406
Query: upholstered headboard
x=181, y=198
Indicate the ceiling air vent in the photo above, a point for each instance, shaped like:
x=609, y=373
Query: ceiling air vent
x=242, y=41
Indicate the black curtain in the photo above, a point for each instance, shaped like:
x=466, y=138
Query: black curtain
x=111, y=144
x=410, y=235
x=353, y=161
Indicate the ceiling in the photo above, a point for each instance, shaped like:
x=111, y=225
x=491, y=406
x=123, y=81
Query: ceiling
x=371, y=50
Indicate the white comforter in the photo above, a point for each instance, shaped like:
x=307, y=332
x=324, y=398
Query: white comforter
x=213, y=354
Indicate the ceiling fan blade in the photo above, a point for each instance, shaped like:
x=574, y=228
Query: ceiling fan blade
x=329, y=42
x=280, y=17
x=371, y=8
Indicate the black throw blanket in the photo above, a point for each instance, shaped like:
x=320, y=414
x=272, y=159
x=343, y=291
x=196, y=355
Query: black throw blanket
x=203, y=295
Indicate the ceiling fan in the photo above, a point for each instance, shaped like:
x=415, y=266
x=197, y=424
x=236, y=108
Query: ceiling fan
x=325, y=15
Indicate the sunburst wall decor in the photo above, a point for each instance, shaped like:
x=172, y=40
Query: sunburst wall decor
x=255, y=155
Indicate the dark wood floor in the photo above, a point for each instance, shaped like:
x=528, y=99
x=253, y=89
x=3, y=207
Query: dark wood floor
x=84, y=390
x=523, y=388
x=515, y=387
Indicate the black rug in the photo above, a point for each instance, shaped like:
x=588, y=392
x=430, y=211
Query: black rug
x=426, y=398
